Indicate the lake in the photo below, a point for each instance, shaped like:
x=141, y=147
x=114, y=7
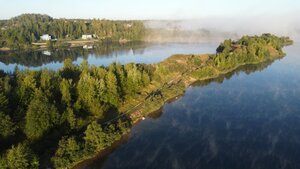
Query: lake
x=247, y=119
x=101, y=55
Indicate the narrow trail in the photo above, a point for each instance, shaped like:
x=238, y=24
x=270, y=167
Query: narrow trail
x=174, y=81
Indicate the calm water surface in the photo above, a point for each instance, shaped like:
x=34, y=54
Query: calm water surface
x=249, y=119
x=101, y=55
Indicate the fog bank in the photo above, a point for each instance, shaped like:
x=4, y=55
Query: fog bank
x=217, y=28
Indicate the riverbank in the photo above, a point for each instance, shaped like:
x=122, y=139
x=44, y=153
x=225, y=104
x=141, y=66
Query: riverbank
x=5, y=49
x=37, y=46
x=65, y=43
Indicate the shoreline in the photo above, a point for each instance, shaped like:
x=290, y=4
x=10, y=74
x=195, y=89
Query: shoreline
x=138, y=119
x=5, y=49
x=38, y=46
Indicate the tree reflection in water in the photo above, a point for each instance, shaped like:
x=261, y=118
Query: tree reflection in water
x=212, y=126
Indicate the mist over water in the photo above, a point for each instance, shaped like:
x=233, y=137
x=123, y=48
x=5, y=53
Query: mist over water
x=220, y=28
x=247, y=119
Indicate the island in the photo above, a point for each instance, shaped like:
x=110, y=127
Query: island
x=57, y=119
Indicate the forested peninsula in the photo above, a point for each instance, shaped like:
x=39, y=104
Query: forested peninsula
x=59, y=118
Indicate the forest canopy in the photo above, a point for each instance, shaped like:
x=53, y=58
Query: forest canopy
x=22, y=31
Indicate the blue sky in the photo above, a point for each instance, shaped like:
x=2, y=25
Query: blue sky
x=149, y=9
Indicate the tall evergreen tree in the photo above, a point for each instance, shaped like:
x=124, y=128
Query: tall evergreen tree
x=41, y=116
x=21, y=157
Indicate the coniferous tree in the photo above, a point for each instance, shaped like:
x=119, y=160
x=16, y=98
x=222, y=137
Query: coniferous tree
x=7, y=126
x=41, y=116
x=21, y=157
x=94, y=137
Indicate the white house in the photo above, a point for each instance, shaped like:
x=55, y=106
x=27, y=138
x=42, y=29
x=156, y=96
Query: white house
x=87, y=36
x=45, y=37
x=48, y=53
x=128, y=25
x=87, y=47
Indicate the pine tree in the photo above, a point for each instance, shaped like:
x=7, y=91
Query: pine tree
x=65, y=90
x=68, y=152
x=7, y=126
x=21, y=157
x=94, y=136
x=41, y=116
x=112, y=88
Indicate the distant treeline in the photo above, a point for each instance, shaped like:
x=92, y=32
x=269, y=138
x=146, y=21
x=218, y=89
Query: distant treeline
x=21, y=31
x=59, y=118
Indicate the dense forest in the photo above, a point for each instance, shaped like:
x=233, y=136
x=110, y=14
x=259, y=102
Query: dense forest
x=59, y=118
x=22, y=31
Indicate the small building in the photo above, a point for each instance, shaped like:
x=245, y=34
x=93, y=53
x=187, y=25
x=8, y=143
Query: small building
x=46, y=52
x=4, y=28
x=128, y=25
x=87, y=36
x=87, y=47
x=45, y=37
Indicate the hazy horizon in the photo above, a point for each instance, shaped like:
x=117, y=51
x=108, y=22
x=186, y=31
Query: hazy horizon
x=150, y=10
x=240, y=17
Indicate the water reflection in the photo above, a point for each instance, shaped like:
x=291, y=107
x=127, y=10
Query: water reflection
x=38, y=58
x=99, y=54
x=231, y=122
x=247, y=69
